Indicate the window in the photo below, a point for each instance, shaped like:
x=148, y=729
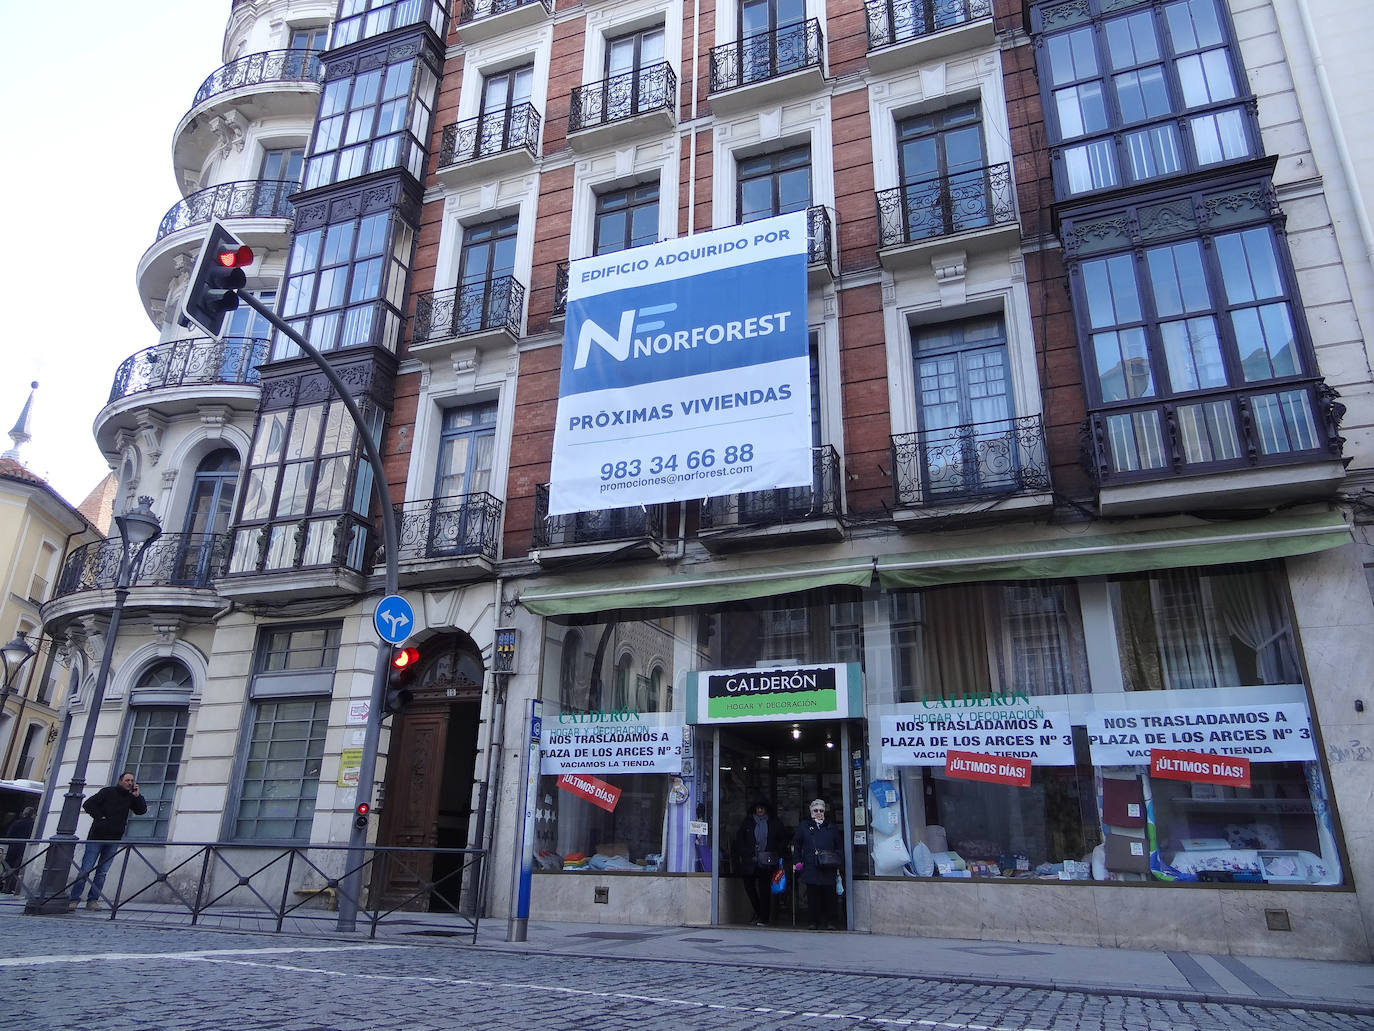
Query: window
x=467, y=444
x=360, y=19
x=25, y=765
x=207, y=517
x=1118, y=83
x=157, y=735
x=630, y=86
x=345, y=284
x=626, y=218
x=774, y=184
x=314, y=38
x=505, y=97
x=374, y=120
x=244, y=344
x=286, y=725
x=773, y=38
x=282, y=163
x=485, y=275
x=41, y=582
x=944, y=181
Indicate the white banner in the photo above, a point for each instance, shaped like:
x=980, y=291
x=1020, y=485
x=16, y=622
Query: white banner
x=1039, y=731
x=612, y=742
x=685, y=372
x=1278, y=732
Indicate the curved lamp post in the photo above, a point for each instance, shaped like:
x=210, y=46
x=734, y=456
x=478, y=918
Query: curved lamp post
x=13, y=657
x=137, y=529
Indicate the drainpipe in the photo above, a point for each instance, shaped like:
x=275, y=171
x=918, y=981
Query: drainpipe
x=482, y=834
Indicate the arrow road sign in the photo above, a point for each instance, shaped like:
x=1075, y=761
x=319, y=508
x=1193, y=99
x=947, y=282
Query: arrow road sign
x=394, y=619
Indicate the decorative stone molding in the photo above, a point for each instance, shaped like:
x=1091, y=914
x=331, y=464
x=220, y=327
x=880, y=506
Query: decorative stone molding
x=150, y=429
x=216, y=419
x=168, y=633
x=229, y=131
x=951, y=270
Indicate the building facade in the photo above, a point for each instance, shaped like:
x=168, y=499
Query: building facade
x=1089, y=398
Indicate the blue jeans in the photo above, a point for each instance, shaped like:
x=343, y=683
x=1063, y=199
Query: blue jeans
x=98, y=856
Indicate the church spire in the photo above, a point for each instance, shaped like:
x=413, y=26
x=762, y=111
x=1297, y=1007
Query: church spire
x=20, y=435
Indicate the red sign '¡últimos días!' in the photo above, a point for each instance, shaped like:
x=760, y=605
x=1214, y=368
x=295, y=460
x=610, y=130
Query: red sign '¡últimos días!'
x=995, y=769
x=1200, y=767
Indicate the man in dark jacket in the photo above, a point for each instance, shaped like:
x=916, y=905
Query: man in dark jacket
x=109, y=810
x=759, y=845
x=19, y=830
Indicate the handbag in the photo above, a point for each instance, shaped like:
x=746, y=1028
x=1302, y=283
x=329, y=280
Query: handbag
x=779, y=880
x=827, y=857
x=767, y=859
x=839, y=883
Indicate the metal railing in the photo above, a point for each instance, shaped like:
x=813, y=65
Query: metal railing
x=623, y=96
x=966, y=200
x=471, y=308
x=256, y=69
x=560, y=288
x=818, y=500
x=173, y=560
x=197, y=361
x=277, y=887
x=1263, y=425
x=471, y=10
x=603, y=526
x=1005, y=457
x=468, y=524
x=491, y=133
x=253, y=198
x=896, y=21
x=766, y=55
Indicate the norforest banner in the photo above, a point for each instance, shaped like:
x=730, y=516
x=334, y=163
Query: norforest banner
x=685, y=370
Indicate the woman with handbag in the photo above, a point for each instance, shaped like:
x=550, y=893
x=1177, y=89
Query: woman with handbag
x=817, y=846
x=759, y=844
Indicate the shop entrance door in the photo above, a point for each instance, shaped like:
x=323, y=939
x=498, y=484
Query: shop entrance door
x=785, y=765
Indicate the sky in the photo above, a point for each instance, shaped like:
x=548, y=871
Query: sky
x=89, y=112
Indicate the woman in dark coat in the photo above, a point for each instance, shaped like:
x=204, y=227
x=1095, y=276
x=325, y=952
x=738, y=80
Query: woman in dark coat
x=759, y=844
x=817, y=847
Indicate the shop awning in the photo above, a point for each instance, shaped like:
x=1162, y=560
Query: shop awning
x=699, y=589
x=1102, y=554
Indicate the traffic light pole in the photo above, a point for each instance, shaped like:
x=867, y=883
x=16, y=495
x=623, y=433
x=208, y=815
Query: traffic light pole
x=350, y=886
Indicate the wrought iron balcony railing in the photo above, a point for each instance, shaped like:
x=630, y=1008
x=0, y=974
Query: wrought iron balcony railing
x=820, y=499
x=1005, y=457
x=470, y=308
x=560, y=288
x=766, y=55
x=896, y=21
x=966, y=200
x=181, y=363
x=374, y=19
x=255, y=69
x=601, y=527
x=471, y=10
x=488, y=134
x=819, y=237
x=1271, y=424
x=466, y=525
x=173, y=560
x=254, y=198
x=623, y=96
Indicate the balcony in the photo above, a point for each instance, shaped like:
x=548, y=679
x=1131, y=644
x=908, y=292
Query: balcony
x=983, y=469
x=258, y=211
x=973, y=207
x=326, y=556
x=1259, y=446
x=905, y=33
x=282, y=85
x=175, y=575
x=560, y=289
x=490, y=144
x=375, y=19
x=480, y=20
x=621, y=533
x=623, y=107
x=786, y=63
x=179, y=378
x=448, y=539
x=485, y=315
x=791, y=515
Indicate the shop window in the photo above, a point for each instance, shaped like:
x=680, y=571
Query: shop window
x=789, y=629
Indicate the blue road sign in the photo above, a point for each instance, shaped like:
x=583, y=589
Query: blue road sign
x=394, y=619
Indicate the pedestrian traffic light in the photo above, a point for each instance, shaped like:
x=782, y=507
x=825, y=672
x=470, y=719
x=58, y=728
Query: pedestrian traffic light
x=360, y=813
x=216, y=279
x=404, y=666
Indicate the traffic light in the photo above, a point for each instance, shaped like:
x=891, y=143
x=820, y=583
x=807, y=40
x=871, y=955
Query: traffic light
x=404, y=666
x=216, y=279
x=360, y=813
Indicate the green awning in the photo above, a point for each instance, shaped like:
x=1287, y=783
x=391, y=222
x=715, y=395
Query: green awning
x=697, y=589
x=1102, y=554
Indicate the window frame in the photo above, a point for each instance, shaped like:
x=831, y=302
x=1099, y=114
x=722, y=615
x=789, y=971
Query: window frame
x=635, y=200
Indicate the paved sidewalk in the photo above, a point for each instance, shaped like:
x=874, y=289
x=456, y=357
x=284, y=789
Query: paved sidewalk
x=1244, y=980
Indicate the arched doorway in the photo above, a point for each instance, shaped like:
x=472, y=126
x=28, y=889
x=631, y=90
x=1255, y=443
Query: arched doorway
x=429, y=775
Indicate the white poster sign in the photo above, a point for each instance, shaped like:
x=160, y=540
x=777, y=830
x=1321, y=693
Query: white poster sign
x=612, y=742
x=1277, y=732
x=1038, y=730
x=685, y=371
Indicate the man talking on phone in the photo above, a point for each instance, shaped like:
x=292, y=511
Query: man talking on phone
x=109, y=809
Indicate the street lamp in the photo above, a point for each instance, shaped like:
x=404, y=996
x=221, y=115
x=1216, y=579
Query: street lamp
x=13, y=657
x=137, y=529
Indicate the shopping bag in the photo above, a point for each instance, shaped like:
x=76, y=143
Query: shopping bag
x=839, y=884
x=779, y=879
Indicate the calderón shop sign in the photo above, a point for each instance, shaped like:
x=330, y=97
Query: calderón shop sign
x=824, y=691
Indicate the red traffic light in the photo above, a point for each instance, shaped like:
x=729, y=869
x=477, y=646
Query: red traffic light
x=240, y=257
x=405, y=658
x=364, y=808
